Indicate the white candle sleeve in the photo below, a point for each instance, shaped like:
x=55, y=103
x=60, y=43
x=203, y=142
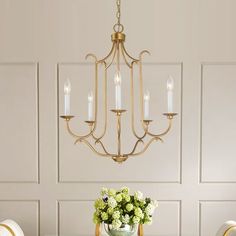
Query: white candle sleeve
x=67, y=104
x=170, y=101
x=170, y=88
x=146, y=109
x=118, y=97
x=90, y=111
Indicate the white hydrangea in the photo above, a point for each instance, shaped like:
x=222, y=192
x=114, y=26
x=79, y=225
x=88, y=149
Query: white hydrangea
x=149, y=210
x=136, y=219
x=125, y=219
x=116, y=224
x=112, y=202
x=104, y=191
x=138, y=195
x=116, y=215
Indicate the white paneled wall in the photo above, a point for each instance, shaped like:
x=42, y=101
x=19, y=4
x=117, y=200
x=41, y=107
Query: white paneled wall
x=48, y=184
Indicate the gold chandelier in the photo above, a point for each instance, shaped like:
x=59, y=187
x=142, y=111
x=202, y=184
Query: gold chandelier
x=118, y=52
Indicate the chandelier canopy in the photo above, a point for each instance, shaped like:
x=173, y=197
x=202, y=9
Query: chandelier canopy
x=91, y=139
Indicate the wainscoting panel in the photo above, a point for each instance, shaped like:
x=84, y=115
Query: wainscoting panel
x=74, y=168
x=24, y=212
x=79, y=214
x=19, y=122
x=217, y=212
x=192, y=173
x=218, y=134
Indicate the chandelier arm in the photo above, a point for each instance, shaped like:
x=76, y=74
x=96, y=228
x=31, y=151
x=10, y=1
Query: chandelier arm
x=113, y=58
x=93, y=149
x=146, y=147
x=125, y=59
x=132, y=103
x=105, y=103
x=126, y=53
x=163, y=133
x=135, y=146
x=142, y=53
x=97, y=141
x=91, y=55
x=74, y=134
x=109, y=54
x=141, y=87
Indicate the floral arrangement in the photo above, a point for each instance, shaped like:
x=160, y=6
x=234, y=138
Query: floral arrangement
x=120, y=207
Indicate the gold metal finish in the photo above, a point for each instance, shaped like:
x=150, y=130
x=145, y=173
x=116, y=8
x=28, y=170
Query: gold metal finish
x=89, y=122
x=98, y=230
x=140, y=230
x=8, y=229
x=226, y=233
x=67, y=118
x=170, y=115
x=117, y=36
x=94, y=141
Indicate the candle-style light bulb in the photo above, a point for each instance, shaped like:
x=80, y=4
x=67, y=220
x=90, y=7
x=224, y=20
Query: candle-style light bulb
x=146, y=98
x=170, y=88
x=117, y=81
x=90, y=106
x=67, y=90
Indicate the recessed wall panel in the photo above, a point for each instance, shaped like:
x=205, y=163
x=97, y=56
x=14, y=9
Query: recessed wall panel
x=79, y=214
x=19, y=122
x=25, y=213
x=217, y=212
x=160, y=163
x=218, y=134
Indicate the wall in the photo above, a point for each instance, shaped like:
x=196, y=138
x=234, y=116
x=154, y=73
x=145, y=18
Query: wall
x=47, y=183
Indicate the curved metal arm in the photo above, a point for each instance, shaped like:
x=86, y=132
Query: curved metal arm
x=105, y=104
x=76, y=135
x=113, y=57
x=125, y=51
x=132, y=103
x=146, y=147
x=163, y=133
x=109, y=54
x=93, y=149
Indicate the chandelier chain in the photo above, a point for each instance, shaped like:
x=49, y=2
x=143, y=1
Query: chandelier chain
x=118, y=27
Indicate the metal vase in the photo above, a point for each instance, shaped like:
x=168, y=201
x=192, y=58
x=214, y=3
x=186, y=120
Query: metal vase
x=124, y=230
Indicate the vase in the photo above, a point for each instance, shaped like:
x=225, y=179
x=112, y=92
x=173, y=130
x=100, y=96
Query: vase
x=124, y=230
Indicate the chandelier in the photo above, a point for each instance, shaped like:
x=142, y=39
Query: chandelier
x=91, y=139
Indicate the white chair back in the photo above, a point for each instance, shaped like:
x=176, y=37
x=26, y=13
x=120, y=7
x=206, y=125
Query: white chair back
x=227, y=229
x=10, y=228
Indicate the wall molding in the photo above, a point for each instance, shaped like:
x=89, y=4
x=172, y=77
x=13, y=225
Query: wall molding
x=36, y=65
x=38, y=210
x=204, y=64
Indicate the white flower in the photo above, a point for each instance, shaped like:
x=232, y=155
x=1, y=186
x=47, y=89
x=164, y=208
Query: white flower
x=125, y=219
x=149, y=210
x=116, y=224
x=104, y=191
x=138, y=195
x=136, y=219
x=112, y=202
x=116, y=215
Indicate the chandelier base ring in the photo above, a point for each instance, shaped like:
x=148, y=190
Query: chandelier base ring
x=118, y=36
x=120, y=159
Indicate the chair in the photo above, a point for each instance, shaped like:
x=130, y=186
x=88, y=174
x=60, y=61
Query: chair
x=10, y=228
x=227, y=229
